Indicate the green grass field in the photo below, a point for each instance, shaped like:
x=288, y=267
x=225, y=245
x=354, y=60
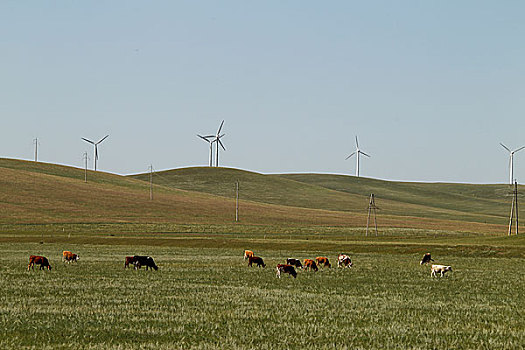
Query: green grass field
x=208, y=298
x=205, y=297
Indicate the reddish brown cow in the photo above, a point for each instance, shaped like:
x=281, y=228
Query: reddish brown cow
x=39, y=260
x=69, y=257
x=289, y=269
x=310, y=264
x=129, y=260
x=256, y=260
x=322, y=261
x=247, y=254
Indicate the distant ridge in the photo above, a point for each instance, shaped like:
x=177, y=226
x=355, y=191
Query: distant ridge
x=464, y=202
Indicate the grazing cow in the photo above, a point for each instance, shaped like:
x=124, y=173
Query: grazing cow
x=142, y=260
x=439, y=268
x=322, y=261
x=343, y=260
x=426, y=259
x=68, y=257
x=247, y=254
x=256, y=260
x=39, y=260
x=294, y=262
x=289, y=269
x=310, y=264
x=129, y=260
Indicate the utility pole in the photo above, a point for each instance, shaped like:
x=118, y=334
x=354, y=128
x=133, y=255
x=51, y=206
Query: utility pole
x=514, y=209
x=371, y=206
x=85, y=166
x=151, y=182
x=35, y=141
x=237, y=201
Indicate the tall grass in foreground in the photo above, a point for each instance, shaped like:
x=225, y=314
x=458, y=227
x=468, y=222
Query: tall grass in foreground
x=208, y=298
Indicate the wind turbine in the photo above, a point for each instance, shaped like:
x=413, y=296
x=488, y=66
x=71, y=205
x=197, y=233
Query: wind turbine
x=511, y=161
x=206, y=138
x=357, y=153
x=96, y=147
x=218, y=141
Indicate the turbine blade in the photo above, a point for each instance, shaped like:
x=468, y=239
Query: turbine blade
x=356, y=142
x=204, y=138
x=364, y=154
x=350, y=155
x=220, y=143
x=91, y=142
x=105, y=137
x=220, y=127
x=519, y=149
x=502, y=145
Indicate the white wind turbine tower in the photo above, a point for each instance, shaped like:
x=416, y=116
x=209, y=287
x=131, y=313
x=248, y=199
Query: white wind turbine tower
x=96, y=148
x=357, y=153
x=511, y=161
x=218, y=142
x=206, y=138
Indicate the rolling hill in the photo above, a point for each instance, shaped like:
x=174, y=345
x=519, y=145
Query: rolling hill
x=39, y=193
x=461, y=202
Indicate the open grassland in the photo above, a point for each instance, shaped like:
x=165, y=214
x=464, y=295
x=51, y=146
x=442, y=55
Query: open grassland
x=208, y=298
x=204, y=295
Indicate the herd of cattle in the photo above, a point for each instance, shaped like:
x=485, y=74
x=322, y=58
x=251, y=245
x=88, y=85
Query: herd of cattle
x=343, y=261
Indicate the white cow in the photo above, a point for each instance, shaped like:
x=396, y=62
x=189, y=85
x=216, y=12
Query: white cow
x=440, y=269
x=343, y=260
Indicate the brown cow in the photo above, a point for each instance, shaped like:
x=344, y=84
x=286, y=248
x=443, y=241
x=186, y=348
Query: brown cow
x=285, y=268
x=129, y=260
x=39, y=260
x=310, y=264
x=247, y=254
x=256, y=260
x=69, y=257
x=322, y=261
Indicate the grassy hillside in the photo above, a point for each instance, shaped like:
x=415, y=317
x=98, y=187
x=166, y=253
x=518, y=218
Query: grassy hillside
x=38, y=193
x=472, y=203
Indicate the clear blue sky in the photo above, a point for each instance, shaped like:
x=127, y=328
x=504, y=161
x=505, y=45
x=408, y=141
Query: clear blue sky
x=430, y=87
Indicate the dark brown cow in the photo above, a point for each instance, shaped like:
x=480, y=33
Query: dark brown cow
x=322, y=261
x=257, y=260
x=310, y=264
x=289, y=269
x=426, y=259
x=39, y=260
x=294, y=262
x=129, y=260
